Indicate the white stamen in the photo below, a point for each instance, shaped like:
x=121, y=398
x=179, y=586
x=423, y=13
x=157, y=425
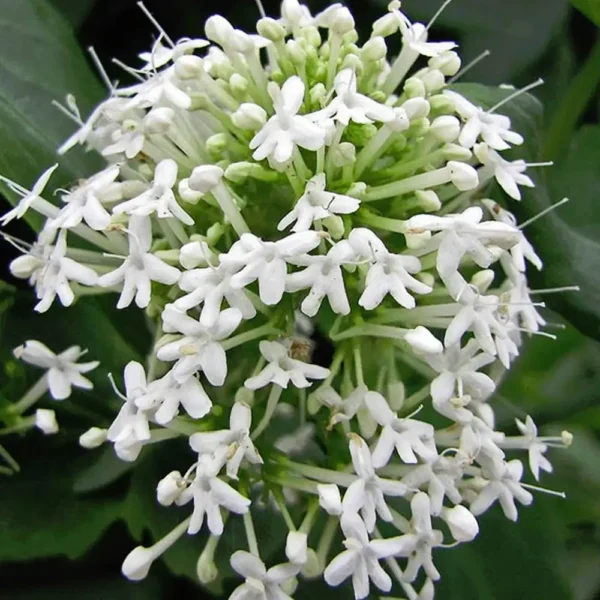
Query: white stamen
x=101, y=70
x=544, y=212
x=468, y=67
x=155, y=23
x=557, y=290
x=440, y=10
x=514, y=95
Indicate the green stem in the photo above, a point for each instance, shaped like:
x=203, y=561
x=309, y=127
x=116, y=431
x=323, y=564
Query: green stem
x=272, y=402
x=384, y=223
x=248, y=336
x=31, y=397
x=578, y=96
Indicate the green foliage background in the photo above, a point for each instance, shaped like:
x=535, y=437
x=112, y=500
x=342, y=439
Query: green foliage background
x=68, y=518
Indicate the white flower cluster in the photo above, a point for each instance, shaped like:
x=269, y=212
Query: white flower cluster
x=255, y=180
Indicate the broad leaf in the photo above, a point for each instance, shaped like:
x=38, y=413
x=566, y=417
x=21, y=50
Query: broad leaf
x=570, y=257
x=75, y=12
x=40, y=61
x=590, y=8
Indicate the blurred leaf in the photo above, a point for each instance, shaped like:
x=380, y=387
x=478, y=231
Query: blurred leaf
x=503, y=27
x=570, y=257
x=105, y=468
x=75, y=11
x=40, y=61
x=590, y=8
x=41, y=516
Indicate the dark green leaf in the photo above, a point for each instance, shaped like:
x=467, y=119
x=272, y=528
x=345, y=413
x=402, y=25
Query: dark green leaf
x=40, y=61
x=570, y=258
x=42, y=517
x=590, y=8
x=76, y=12
x=105, y=468
x=503, y=27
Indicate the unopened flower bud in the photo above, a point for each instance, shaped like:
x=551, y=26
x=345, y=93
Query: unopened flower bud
x=428, y=200
x=414, y=88
x=351, y=61
x=448, y=63
x=187, y=194
x=461, y=522
x=296, y=547
x=159, y=120
x=419, y=127
x=244, y=396
x=296, y=53
x=45, y=421
x=334, y=226
x=270, y=29
x=445, y=129
x=357, y=189
x=219, y=30
x=311, y=35
x=385, y=26
x=216, y=144
x=567, y=438
x=441, y=104
x=318, y=94
x=206, y=569
x=344, y=154
x=463, y=176
x=23, y=267
x=195, y=254
x=169, y=488
x=482, y=280
x=93, y=438
x=416, y=108
x=329, y=498
x=289, y=586
x=250, y=117
x=238, y=85
x=432, y=79
x=189, y=67
x=456, y=152
x=374, y=50
x=341, y=20
x=396, y=394
x=136, y=565
x=205, y=178
x=312, y=567
x=423, y=341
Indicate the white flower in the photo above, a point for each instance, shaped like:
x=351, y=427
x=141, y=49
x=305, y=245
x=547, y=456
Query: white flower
x=27, y=198
x=160, y=198
x=294, y=15
x=409, y=437
x=209, y=494
x=521, y=250
x=169, y=488
x=461, y=522
x=161, y=55
x=420, y=541
x=503, y=485
x=323, y=275
x=509, y=175
x=209, y=287
x=361, y=558
x=286, y=129
x=50, y=271
x=421, y=340
x=388, y=273
x=282, y=368
x=521, y=309
x=367, y=493
x=464, y=234
x=94, y=437
x=493, y=129
x=260, y=584
x=459, y=375
x=199, y=348
x=85, y=202
x=158, y=90
x=236, y=440
x=45, y=421
x=63, y=372
x=130, y=430
x=330, y=499
x=315, y=204
x=266, y=262
x=296, y=547
x=140, y=268
x=537, y=448
x=349, y=105
x=414, y=38
x=171, y=394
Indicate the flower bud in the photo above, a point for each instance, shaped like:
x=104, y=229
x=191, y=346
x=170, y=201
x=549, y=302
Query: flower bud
x=187, y=194
x=414, y=88
x=189, y=67
x=374, y=50
x=427, y=591
x=428, y=200
x=335, y=226
x=238, y=85
x=423, y=341
x=441, y=104
x=296, y=547
x=357, y=189
x=270, y=29
x=296, y=53
x=461, y=522
x=216, y=144
x=137, y=563
x=312, y=567
x=433, y=80
x=341, y=20
x=23, y=267
x=419, y=127
x=159, y=120
x=445, y=129
x=311, y=35
x=45, y=420
x=329, y=498
x=401, y=121
x=344, y=154
x=93, y=438
x=385, y=26
x=482, y=280
x=417, y=240
x=351, y=61
x=289, y=586
x=456, y=152
x=396, y=394
x=244, y=396
x=318, y=94
x=250, y=117
x=214, y=233
x=463, y=176
x=195, y=254
x=205, y=178
x=416, y=108
x=206, y=569
x=169, y=488
x=219, y=30
x=448, y=63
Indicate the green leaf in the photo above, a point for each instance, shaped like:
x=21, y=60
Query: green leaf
x=40, y=61
x=503, y=27
x=105, y=468
x=590, y=8
x=570, y=257
x=75, y=12
x=42, y=517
